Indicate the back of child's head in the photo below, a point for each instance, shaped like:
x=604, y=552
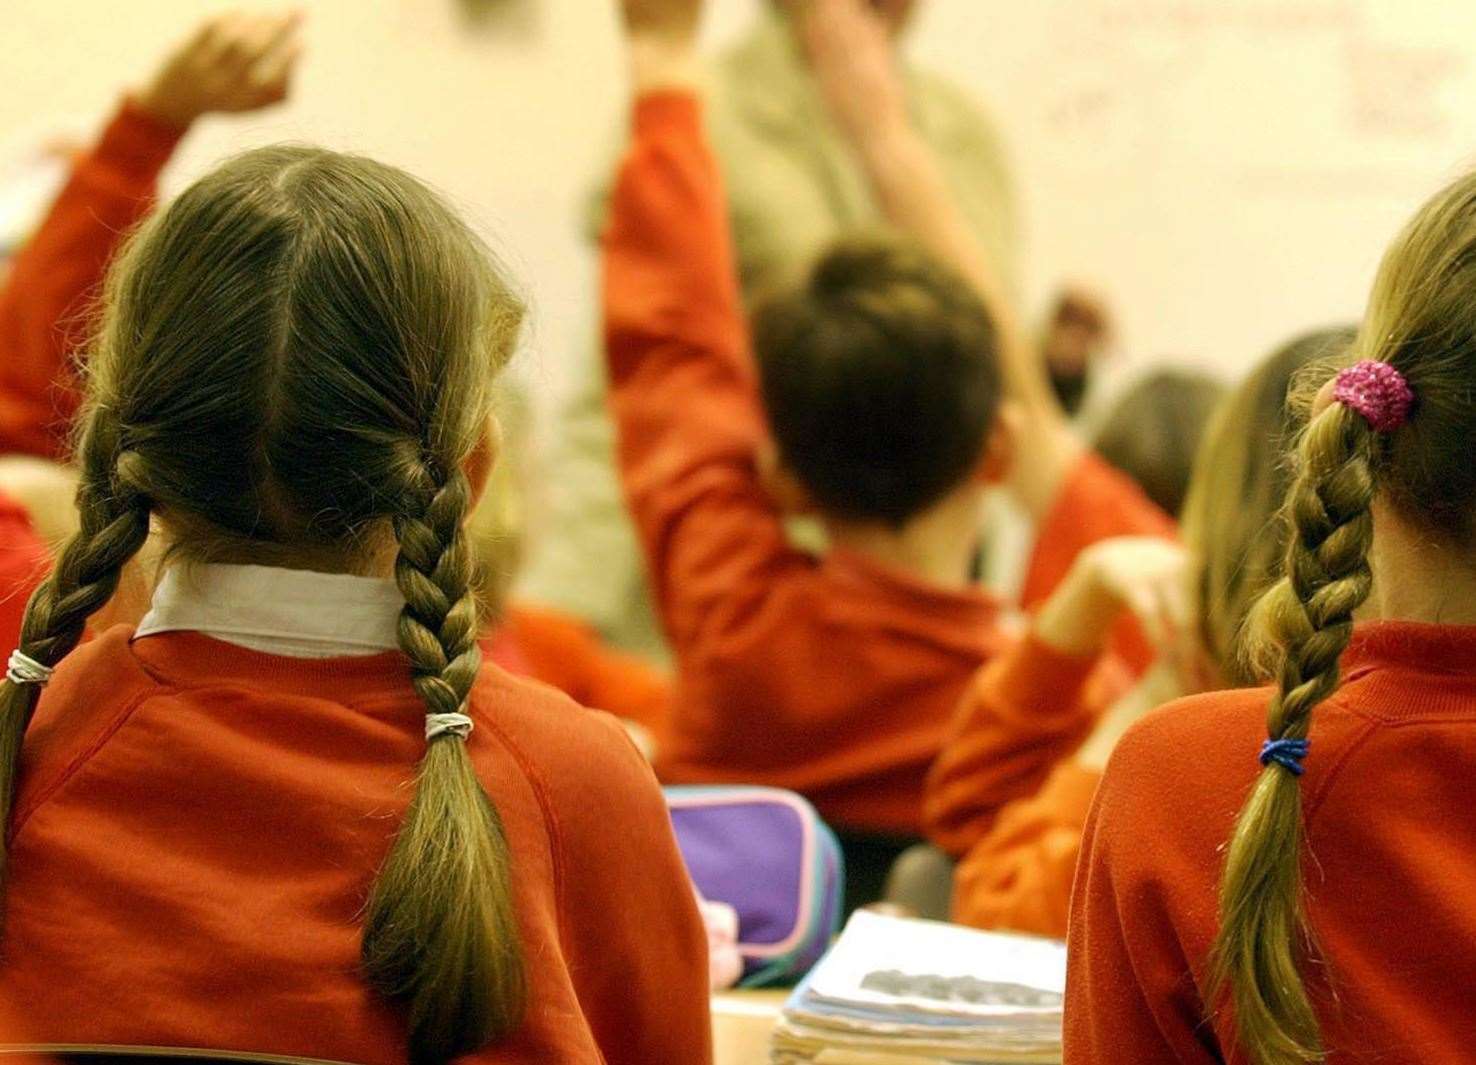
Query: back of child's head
x=1154, y=430
x=294, y=362
x=1399, y=429
x=880, y=380
x=1241, y=474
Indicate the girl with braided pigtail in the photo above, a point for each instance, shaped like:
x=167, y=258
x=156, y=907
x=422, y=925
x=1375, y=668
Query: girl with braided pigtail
x=292, y=812
x=1331, y=918
x=114, y=524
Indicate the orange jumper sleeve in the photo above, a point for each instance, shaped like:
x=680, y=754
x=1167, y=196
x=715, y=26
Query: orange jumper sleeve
x=683, y=387
x=1019, y=875
x=565, y=652
x=44, y=300
x=1023, y=713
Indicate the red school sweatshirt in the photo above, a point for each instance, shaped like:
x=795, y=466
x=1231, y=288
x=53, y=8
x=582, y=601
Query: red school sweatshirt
x=1389, y=864
x=197, y=826
x=45, y=300
x=24, y=562
x=1004, y=794
x=835, y=677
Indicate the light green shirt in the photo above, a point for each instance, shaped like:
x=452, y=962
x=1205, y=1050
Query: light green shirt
x=793, y=188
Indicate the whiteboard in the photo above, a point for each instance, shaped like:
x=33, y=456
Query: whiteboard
x=1228, y=171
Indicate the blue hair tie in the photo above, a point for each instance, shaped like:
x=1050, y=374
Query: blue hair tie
x=1286, y=753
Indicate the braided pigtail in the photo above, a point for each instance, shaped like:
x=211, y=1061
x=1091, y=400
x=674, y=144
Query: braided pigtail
x=114, y=525
x=440, y=933
x=1310, y=614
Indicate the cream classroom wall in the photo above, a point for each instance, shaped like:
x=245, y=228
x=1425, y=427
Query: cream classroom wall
x=510, y=117
x=1226, y=170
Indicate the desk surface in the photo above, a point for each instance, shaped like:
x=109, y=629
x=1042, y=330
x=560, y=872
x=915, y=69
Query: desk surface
x=742, y=1022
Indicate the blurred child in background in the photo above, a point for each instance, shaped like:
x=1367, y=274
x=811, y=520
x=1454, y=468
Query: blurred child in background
x=880, y=376
x=793, y=188
x=1055, y=700
x=1152, y=432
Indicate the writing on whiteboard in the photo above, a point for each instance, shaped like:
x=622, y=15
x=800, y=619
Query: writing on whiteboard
x=1136, y=71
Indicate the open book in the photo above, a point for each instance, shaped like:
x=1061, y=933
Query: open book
x=902, y=992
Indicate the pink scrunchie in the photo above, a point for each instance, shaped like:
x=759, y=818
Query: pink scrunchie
x=1378, y=392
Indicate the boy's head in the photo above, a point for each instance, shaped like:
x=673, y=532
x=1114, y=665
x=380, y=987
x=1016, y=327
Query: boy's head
x=880, y=379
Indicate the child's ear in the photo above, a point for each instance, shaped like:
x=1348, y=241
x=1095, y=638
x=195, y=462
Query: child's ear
x=998, y=460
x=784, y=489
x=478, y=465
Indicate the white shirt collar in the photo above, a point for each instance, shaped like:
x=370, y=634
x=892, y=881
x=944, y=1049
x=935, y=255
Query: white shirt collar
x=297, y=613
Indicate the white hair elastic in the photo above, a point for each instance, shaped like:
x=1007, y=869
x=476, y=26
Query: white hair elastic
x=439, y=724
x=24, y=669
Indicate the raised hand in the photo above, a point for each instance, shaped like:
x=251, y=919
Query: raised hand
x=851, y=56
x=232, y=63
x=662, y=38
x=1138, y=575
x=673, y=21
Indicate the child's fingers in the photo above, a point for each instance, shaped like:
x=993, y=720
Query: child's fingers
x=275, y=65
x=274, y=34
x=222, y=44
x=201, y=35
x=274, y=74
x=1181, y=650
x=1143, y=602
x=250, y=39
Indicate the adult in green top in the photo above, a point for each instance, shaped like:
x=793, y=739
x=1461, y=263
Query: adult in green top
x=793, y=188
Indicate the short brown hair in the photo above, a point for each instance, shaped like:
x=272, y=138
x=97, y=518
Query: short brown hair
x=879, y=377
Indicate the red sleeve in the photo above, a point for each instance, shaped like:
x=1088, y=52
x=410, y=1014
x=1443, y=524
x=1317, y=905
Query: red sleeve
x=1129, y=996
x=1018, y=877
x=24, y=561
x=44, y=300
x=562, y=651
x=683, y=388
x=635, y=942
x=1096, y=503
x=1023, y=713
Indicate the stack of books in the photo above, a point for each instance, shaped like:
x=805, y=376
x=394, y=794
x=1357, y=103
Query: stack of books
x=894, y=991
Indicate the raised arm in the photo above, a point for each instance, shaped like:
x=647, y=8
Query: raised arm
x=855, y=68
x=1023, y=714
x=1038, y=704
x=231, y=63
x=683, y=387
x=1018, y=877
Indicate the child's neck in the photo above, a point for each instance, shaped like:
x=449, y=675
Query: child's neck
x=1416, y=577
x=936, y=546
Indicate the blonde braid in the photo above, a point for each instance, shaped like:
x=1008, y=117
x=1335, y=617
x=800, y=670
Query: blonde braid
x=1310, y=614
x=440, y=931
x=114, y=526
